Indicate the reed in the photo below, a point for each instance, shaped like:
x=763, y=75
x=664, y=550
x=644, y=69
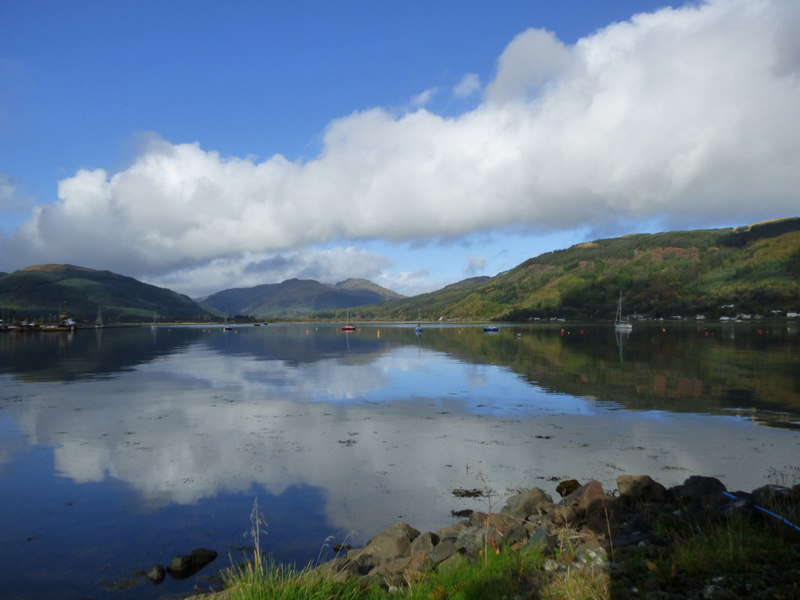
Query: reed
x=260, y=578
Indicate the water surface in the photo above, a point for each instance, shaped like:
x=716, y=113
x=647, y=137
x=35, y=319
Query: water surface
x=120, y=448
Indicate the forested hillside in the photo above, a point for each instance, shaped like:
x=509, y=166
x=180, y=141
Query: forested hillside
x=751, y=270
x=44, y=291
x=295, y=298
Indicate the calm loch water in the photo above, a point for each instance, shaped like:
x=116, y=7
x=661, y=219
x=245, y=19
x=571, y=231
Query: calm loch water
x=121, y=448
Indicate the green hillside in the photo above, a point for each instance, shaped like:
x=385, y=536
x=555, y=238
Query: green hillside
x=297, y=298
x=714, y=272
x=47, y=290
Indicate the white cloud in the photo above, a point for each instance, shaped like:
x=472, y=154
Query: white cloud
x=531, y=60
x=423, y=98
x=468, y=85
x=7, y=192
x=409, y=283
x=475, y=265
x=329, y=265
x=10, y=199
x=683, y=116
x=202, y=422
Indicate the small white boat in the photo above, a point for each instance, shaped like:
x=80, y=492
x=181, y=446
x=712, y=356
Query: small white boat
x=620, y=323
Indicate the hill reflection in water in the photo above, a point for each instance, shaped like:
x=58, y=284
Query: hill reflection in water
x=163, y=437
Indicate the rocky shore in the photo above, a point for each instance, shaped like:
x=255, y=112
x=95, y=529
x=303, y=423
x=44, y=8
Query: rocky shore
x=621, y=535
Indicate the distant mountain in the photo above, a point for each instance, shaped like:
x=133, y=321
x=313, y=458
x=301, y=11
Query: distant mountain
x=751, y=270
x=45, y=290
x=297, y=297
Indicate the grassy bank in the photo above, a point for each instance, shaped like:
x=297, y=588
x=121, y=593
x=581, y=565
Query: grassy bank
x=691, y=556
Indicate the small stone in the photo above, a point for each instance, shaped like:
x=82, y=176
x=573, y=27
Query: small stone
x=550, y=565
x=156, y=574
x=541, y=539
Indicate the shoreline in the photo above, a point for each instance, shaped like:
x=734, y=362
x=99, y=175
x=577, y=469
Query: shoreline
x=609, y=531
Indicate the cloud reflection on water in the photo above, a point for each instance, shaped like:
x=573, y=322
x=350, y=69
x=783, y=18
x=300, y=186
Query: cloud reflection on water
x=384, y=435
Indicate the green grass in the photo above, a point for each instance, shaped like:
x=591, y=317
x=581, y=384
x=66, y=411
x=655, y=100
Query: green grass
x=270, y=581
x=735, y=554
x=503, y=573
x=582, y=584
x=260, y=578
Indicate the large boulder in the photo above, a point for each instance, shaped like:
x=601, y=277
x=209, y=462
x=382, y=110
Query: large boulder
x=699, y=488
x=575, y=506
x=700, y=494
x=640, y=488
x=423, y=544
x=443, y=550
x=392, y=542
x=772, y=496
x=531, y=502
x=186, y=565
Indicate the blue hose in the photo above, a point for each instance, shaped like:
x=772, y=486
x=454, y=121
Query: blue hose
x=770, y=513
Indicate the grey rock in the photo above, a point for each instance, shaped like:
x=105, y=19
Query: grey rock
x=575, y=505
x=640, y=487
x=471, y=539
x=186, y=565
x=550, y=565
x=540, y=539
x=389, y=572
x=733, y=507
x=392, y=542
x=527, y=503
x=156, y=574
x=423, y=543
x=698, y=487
x=771, y=494
x=566, y=487
x=443, y=550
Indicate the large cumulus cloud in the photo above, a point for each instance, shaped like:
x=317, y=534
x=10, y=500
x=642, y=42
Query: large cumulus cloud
x=683, y=116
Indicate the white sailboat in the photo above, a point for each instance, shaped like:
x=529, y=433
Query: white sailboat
x=620, y=323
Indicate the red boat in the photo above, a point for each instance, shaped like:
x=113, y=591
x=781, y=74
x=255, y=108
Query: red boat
x=349, y=326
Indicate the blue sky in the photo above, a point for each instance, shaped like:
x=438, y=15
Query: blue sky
x=202, y=145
